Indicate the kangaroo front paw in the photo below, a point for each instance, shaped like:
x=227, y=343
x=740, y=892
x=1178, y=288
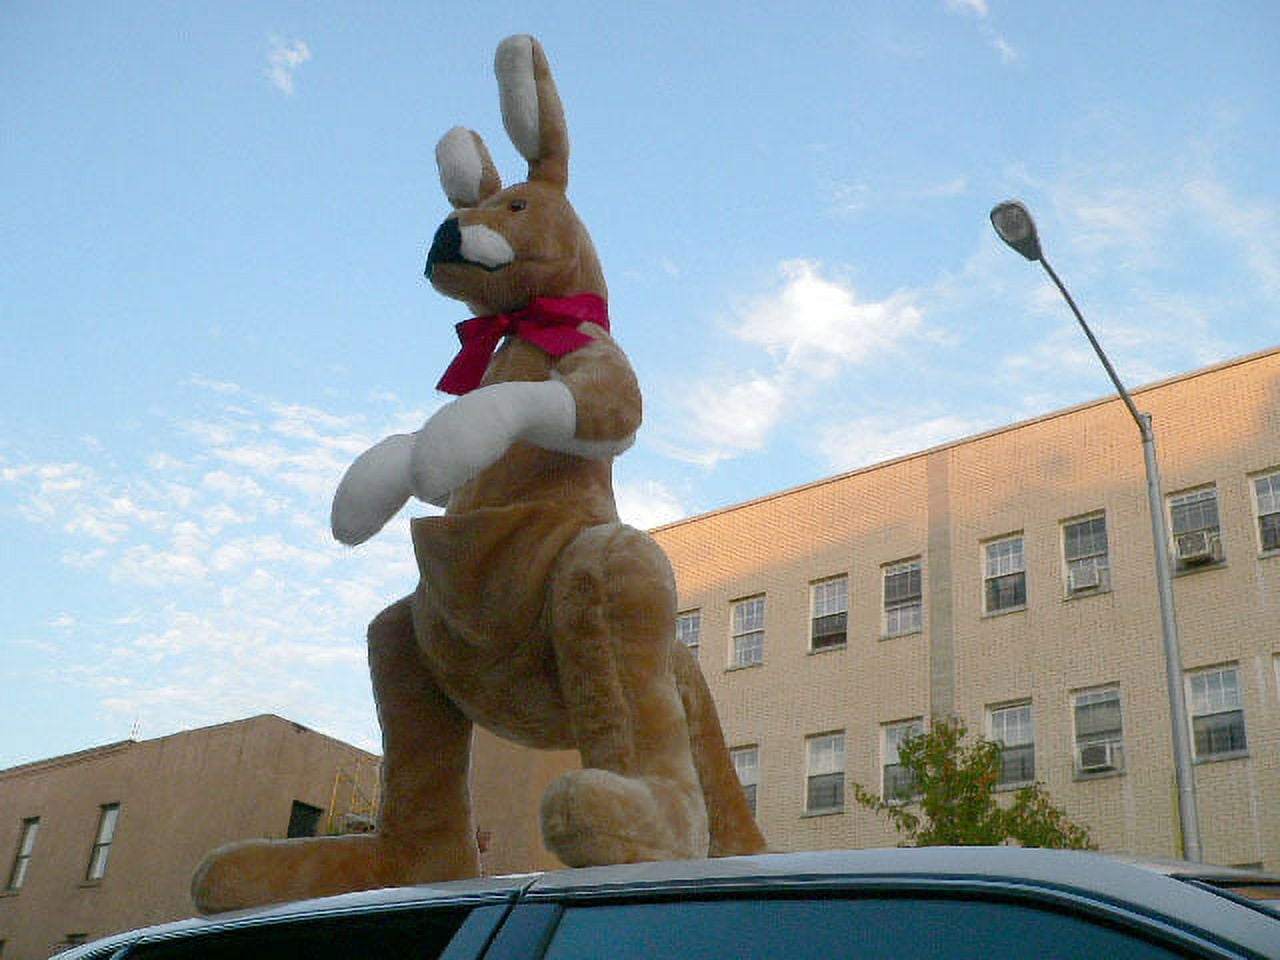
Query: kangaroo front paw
x=596, y=817
x=373, y=490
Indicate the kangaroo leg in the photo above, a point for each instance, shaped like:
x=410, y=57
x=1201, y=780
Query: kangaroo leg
x=613, y=625
x=424, y=825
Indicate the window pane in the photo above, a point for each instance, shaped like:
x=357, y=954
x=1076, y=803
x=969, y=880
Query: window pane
x=1098, y=715
x=1006, y=592
x=1269, y=529
x=748, y=649
x=1213, y=691
x=898, y=734
x=421, y=934
x=903, y=619
x=748, y=615
x=107, y=826
x=102, y=846
x=826, y=791
x=26, y=847
x=748, y=632
x=1087, y=538
x=1012, y=725
x=1018, y=764
x=826, y=753
x=908, y=927
x=1219, y=733
x=830, y=631
x=899, y=783
x=902, y=582
x=1004, y=557
x=304, y=820
x=1194, y=511
x=746, y=761
x=831, y=596
x=689, y=628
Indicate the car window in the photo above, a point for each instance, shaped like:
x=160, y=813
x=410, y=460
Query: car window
x=866, y=928
x=420, y=934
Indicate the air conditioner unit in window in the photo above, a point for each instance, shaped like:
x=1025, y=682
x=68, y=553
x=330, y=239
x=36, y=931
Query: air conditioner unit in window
x=1199, y=546
x=1096, y=757
x=1084, y=577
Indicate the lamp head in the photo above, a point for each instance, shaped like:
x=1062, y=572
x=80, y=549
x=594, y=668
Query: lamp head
x=1016, y=228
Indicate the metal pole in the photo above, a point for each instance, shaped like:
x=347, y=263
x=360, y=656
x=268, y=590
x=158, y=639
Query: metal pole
x=1184, y=772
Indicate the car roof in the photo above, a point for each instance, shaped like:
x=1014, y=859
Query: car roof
x=1143, y=887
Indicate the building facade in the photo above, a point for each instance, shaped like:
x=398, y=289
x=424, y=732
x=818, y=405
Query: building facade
x=1006, y=579
x=107, y=839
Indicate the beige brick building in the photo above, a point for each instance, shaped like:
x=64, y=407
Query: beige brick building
x=1007, y=579
x=107, y=839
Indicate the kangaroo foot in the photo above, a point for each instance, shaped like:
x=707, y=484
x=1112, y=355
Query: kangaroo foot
x=256, y=872
x=596, y=817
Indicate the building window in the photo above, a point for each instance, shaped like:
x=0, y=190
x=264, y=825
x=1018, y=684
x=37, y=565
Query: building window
x=902, y=598
x=748, y=632
x=1267, y=491
x=899, y=783
x=1006, y=575
x=1084, y=548
x=107, y=817
x=22, y=859
x=746, y=760
x=304, y=820
x=1011, y=727
x=829, y=624
x=1099, y=731
x=1197, y=536
x=825, y=773
x=1217, y=713
x=689, y=628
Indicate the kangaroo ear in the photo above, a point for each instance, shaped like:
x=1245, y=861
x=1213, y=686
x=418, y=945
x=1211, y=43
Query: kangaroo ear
x=531, y=109
x=467, y=172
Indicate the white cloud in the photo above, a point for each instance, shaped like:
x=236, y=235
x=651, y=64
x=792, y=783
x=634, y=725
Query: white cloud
x=227, y=594
x=1008, y=54
x=850, y=199
x=948, y=188
x=811, y=329
x=283, y=61
x=978, y=7
x=869, y=440
x=647, y=504
x=1254, y=228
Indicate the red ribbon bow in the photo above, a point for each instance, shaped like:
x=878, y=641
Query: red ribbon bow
x=550, y=323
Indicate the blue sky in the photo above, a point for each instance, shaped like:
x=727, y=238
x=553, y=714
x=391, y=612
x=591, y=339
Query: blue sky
x=214, y=218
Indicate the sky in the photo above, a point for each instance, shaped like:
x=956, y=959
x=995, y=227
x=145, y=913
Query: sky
x=214, y=217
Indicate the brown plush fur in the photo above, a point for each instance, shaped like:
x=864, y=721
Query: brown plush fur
x=539, y=615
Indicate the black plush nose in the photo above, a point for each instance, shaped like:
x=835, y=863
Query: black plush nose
x=446, y=246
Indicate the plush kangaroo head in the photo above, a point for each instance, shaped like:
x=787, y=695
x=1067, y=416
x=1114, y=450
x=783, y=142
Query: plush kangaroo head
x=500, y=249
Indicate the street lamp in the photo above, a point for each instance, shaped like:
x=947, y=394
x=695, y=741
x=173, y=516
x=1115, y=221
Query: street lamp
x=1016, y=228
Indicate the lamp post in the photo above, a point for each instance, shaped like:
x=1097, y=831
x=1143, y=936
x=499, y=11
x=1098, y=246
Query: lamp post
x=1013, y=223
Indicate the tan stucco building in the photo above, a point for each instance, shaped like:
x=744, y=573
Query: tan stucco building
x=1007, y=579
x=107, y=839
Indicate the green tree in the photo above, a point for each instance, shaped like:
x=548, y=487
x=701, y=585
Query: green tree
x=949, y=797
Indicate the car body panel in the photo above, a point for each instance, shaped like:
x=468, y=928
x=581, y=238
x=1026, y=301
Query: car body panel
x=1169, y=902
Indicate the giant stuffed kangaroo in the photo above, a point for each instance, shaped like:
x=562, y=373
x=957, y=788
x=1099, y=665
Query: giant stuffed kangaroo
x=538, y=615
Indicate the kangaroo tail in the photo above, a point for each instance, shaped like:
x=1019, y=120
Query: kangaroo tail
x=732, y=826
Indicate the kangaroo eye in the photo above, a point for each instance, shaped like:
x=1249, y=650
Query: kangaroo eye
x=517, y=205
